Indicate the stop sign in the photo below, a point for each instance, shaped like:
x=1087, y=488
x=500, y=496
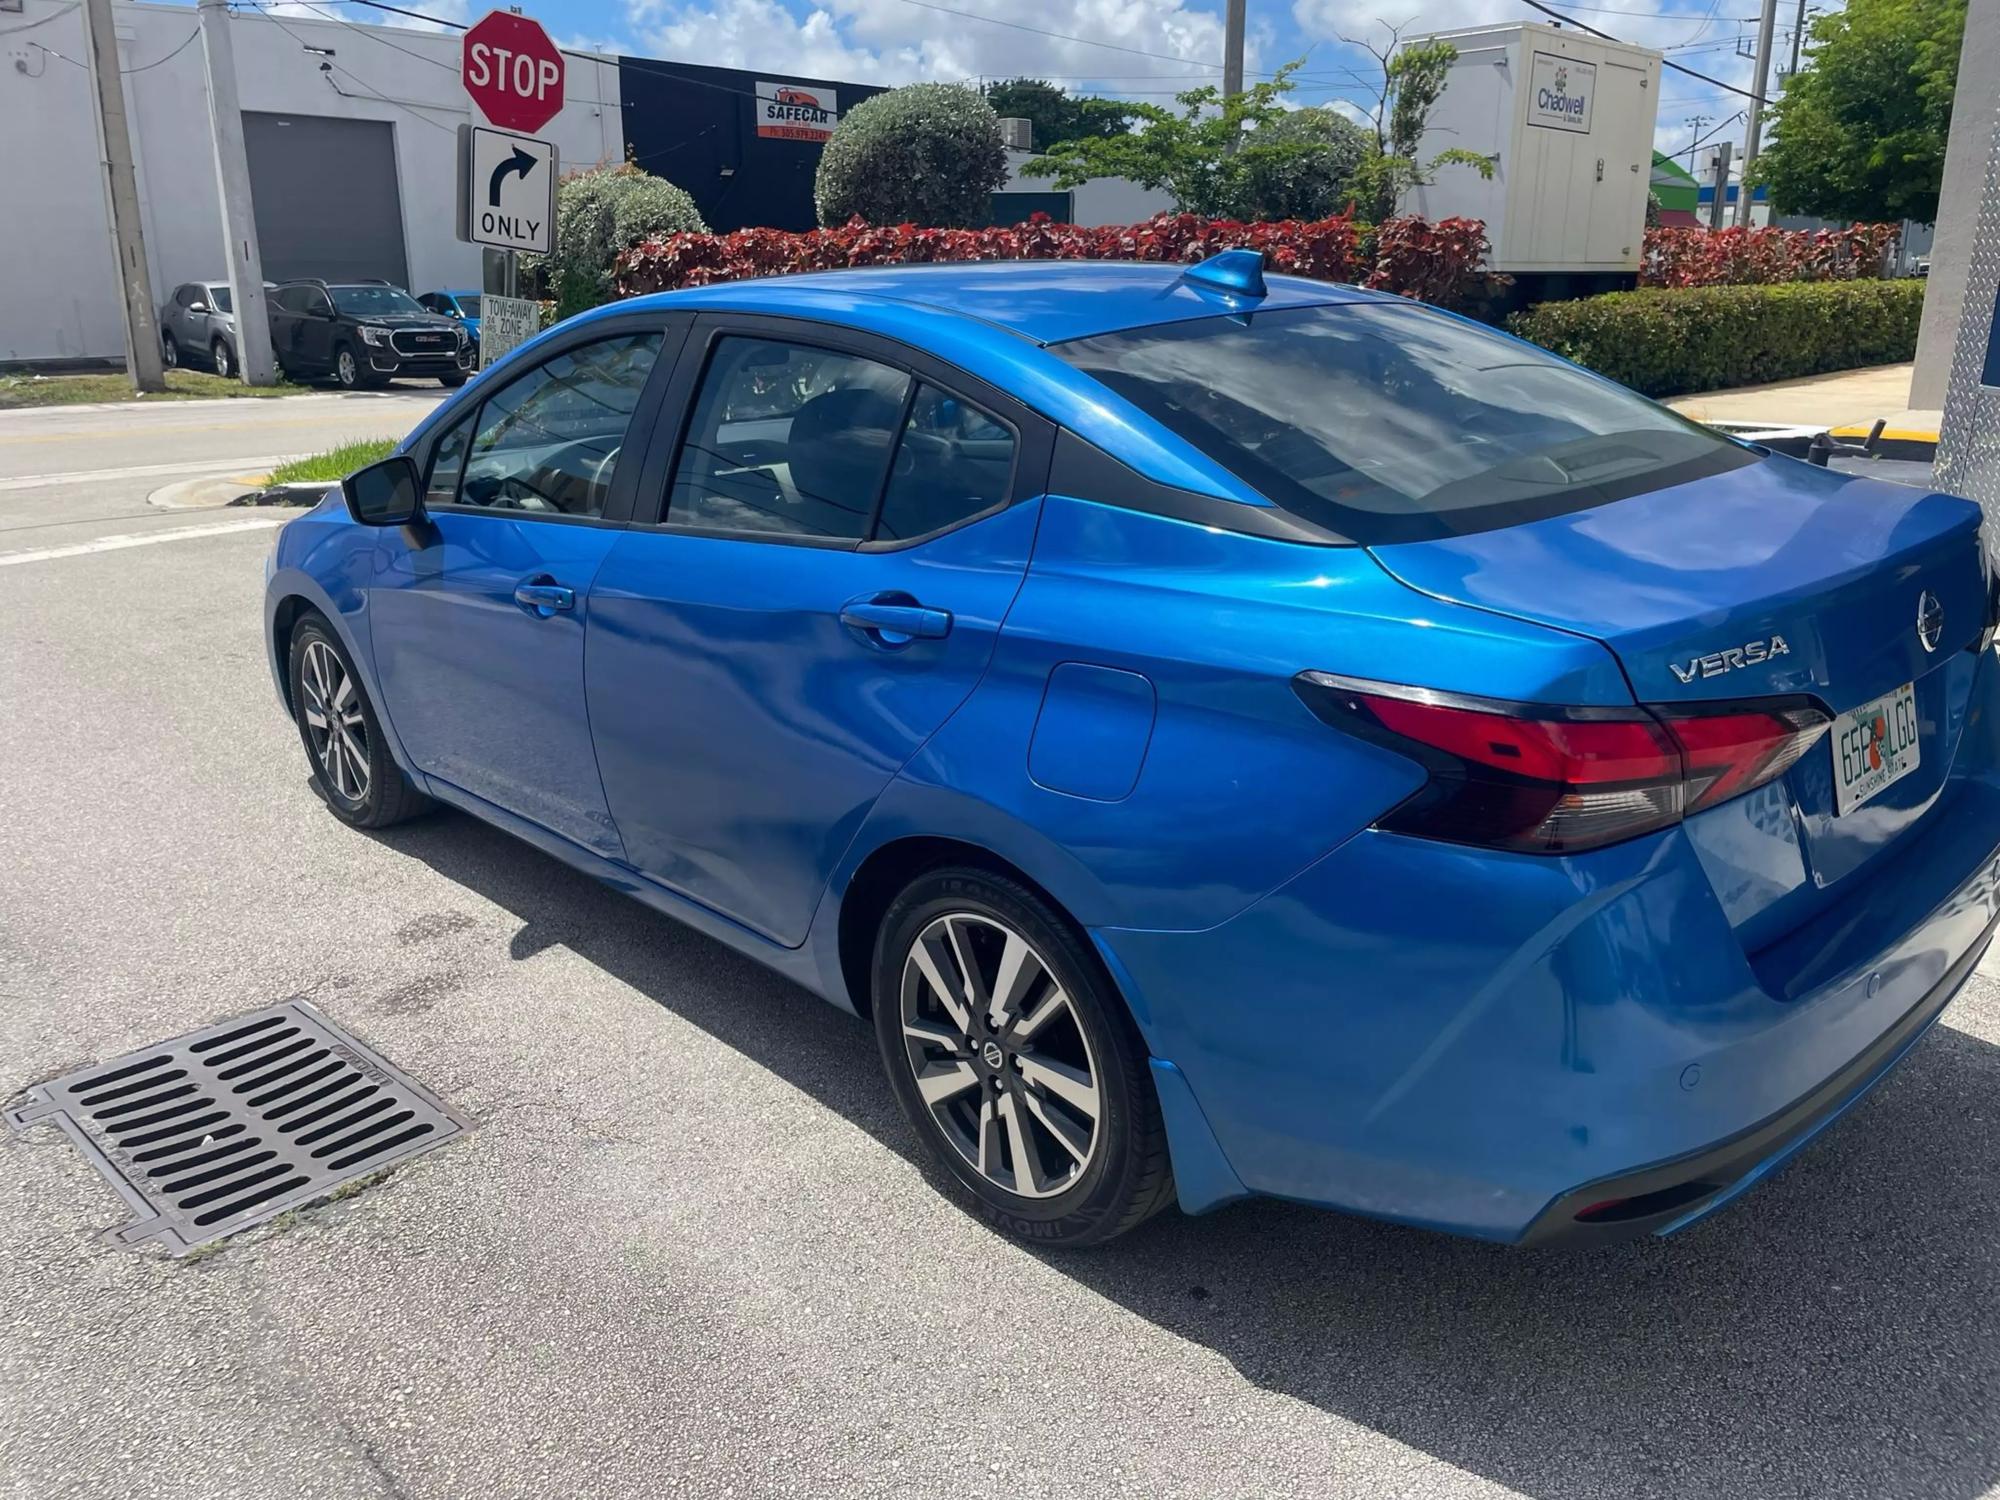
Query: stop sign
x=513, y=72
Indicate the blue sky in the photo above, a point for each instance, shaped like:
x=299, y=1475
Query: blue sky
x=1132, y=48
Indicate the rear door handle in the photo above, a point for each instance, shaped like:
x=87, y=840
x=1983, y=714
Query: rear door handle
x=544, y=599
x=894, y=624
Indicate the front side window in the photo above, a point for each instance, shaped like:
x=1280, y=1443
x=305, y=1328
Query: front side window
x=373, y=301
x=1392, y=423
x=448, y=464
x=548, y=443
x=787, y=439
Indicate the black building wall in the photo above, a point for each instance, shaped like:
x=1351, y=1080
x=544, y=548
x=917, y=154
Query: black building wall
x=696, y=127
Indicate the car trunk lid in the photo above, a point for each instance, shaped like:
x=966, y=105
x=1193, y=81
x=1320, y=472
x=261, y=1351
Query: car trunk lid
x=1773, y=580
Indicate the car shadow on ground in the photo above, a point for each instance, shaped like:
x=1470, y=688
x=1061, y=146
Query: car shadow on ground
x=1834, y=1333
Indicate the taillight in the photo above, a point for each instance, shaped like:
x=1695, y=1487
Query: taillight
x=1555, y=780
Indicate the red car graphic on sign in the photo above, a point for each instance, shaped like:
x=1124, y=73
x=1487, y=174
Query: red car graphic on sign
x=799, y=97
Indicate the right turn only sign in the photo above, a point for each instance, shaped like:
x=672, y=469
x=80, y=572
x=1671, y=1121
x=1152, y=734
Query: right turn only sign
x=507, y=191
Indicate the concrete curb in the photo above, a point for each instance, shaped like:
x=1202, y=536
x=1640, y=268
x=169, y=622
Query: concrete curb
x=208, y=493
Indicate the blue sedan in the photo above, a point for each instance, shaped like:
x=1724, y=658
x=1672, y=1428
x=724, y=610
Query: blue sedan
x=1230, y=735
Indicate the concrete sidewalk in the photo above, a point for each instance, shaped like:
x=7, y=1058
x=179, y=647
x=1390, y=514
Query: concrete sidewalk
x=1846, y=403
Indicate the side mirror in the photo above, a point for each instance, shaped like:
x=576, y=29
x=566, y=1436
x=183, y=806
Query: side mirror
x=197, y=307
x=385, y=493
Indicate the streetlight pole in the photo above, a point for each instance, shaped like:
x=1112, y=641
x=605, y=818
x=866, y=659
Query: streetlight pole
x=1694, y=124
x=1766, y=24
x=1232, y=47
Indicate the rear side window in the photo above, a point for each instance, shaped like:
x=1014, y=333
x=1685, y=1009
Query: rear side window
x=787, y=439
x=1392, y=423
x=954, y=461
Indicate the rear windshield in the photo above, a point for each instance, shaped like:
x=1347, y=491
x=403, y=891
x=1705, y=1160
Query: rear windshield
x=1393, y=423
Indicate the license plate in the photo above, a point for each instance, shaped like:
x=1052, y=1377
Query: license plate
x=1874, y=746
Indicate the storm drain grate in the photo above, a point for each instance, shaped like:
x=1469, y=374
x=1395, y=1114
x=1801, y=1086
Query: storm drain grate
x=231, y=1125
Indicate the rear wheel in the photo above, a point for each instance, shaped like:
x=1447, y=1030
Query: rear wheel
x=1016, y=1062
x=224, y=357
x=351, y=766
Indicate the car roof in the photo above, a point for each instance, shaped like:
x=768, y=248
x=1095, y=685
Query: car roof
x=1046, y=301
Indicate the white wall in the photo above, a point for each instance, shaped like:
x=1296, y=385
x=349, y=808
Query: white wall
x=58, y=295
x=1101, y=200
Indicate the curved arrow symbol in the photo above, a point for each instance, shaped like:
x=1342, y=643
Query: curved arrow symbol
x=520, y=164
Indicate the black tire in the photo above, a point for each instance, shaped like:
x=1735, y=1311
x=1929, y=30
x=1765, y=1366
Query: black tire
x=387, y=796
x=353, y=372
x=1125, y=1176
x=453, y=381
x=223, y=357
x=170, y=353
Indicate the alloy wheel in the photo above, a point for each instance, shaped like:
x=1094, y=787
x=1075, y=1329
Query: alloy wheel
x=346, y=369
x=223, y=362
x=1000, y=1056
x=170, y=354
x=334, y=721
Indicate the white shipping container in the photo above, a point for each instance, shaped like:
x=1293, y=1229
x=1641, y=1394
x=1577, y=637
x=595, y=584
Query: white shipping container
x=1567, y=120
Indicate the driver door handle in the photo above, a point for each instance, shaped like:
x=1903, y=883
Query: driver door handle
x=544, y=598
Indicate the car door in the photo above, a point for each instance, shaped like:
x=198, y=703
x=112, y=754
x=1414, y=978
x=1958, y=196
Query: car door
x=287, y=306
x=316, y=329
x=818, y=570
x=178, y=319
x=479, y=612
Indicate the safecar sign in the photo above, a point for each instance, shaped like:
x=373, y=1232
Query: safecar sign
x=513, y=71
x=796, y=111
x=507, y=191
x=1559, y=93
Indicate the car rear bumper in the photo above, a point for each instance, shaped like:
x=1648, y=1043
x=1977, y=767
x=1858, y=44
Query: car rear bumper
x=1492, y=1045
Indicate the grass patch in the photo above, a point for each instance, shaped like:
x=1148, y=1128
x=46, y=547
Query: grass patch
x=335, y=464
x=115, y=385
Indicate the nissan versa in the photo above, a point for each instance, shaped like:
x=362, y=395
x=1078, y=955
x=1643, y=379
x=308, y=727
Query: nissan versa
x=1230, y=735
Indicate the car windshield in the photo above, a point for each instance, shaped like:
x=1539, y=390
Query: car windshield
x=218, y=298
x=1391, y=423
x=373, y=301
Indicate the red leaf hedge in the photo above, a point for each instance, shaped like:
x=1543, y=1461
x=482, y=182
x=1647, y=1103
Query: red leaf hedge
x=1752, y=257
x=1435, y=262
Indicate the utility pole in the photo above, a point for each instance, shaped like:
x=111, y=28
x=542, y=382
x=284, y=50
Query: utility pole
x=1716, y=203
x=1232, y=47
x=1232, y=57
x=1759, y=85
x=254, y=365
x=1694, y=124
x=121, y=198
x=1798, y=35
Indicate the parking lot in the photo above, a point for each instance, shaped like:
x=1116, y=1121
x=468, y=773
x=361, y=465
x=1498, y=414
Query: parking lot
x=688, y=1249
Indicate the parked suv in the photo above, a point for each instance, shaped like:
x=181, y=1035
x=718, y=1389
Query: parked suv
x=198, y=326
x=364, y=333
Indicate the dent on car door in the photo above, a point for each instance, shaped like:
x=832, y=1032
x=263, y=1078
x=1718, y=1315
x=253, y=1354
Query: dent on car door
x=480, y=611
x=835, y=555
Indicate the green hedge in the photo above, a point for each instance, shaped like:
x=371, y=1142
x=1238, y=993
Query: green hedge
x=1668, y=341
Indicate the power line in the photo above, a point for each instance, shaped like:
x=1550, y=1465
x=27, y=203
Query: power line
x=1607, y=36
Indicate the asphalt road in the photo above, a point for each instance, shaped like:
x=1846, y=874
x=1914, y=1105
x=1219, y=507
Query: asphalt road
x=686, y=1250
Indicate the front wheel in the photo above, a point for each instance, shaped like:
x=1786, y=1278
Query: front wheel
x=351, y=766
x=452, y=381
x=170, y=353
x=225, y=360
x=1016, y=1061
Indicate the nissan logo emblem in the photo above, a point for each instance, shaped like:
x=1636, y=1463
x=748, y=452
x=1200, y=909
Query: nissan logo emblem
x=1930, y=620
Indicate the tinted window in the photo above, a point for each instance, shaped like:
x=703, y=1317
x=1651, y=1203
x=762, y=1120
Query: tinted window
x=288, y=299
x=184, y=296
x=954, y=461
x=787, y=439
x=218, y=298
x=469, y=306
x=447, y=464
x=1390, y=423
x=373, y=301
x=548, y=443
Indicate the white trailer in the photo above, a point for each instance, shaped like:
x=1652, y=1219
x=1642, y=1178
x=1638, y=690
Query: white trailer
x=1567, y=120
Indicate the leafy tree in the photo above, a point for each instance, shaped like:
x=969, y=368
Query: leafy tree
x=1057, y=115
x=600, y=212
x=1412, y=79
x=926, y=153
x=1859, y=131
x=1242, y=157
